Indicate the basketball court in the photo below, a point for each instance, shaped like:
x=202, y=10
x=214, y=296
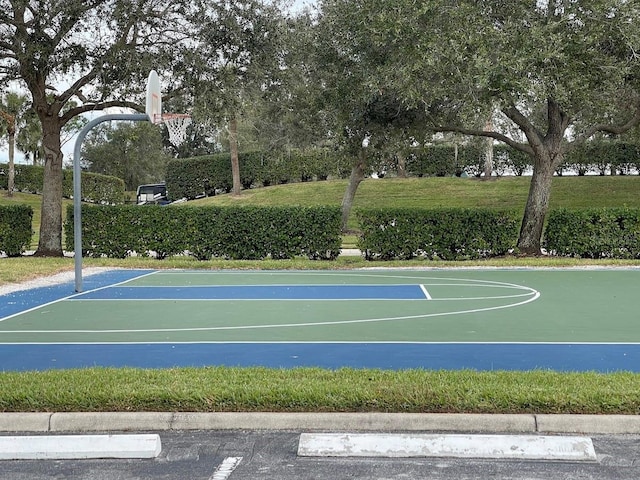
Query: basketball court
x=483, y=319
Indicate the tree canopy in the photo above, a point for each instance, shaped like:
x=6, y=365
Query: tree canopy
x=96, y=53
x=130, y=151
x=391, y=72
x=560, y=71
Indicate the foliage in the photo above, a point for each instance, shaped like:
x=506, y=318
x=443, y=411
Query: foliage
x=549, y=67
x=605, y=156
x=45, y=43
x=210, y=175
x=205, y=232
x=235, y=63
x=445, y=234
x=95, y=188
x=594, y=233
x=236, y=56
x=130, y=151
x=15, y=229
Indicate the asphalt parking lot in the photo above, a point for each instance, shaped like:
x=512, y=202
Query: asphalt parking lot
x=272, y=454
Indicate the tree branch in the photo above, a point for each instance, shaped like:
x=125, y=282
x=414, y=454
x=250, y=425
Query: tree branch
x=92, y=107
x=613, y=129
x=523, y=147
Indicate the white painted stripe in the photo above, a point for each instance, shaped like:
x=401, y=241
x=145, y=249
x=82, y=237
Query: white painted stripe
x=288, y=325
x=426, y=292
x=524, y=447
x=70, y=297
x=79, y=447
x=319, y=342
x=226, y=468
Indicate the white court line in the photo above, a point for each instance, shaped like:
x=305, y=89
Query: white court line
x=324, y=342
x=426, y=292
x=535, y=296
x=226, y=468
x=70, y=297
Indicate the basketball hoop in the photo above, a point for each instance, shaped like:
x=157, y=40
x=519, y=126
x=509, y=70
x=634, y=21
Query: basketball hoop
x=176, y=124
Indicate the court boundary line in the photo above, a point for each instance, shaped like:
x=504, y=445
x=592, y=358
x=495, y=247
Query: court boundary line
x=363, y=299
x=68, y=297
x=319, y=342
x=291, y=325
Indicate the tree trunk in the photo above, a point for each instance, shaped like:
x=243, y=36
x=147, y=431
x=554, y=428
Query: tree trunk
x=233, y=148
x=402, y=164
x=50, y=243
x=488, y=151
x=357, y=175
x=548, y=154
x=11, y=180
x=529, y=242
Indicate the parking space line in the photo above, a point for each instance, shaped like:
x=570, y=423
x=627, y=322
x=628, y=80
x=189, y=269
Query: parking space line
x=226, y=468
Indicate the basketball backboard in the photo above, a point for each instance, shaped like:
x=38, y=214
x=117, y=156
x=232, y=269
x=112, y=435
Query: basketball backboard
x=154, y=98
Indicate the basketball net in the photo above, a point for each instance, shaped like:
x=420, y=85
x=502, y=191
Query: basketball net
x=176, y=124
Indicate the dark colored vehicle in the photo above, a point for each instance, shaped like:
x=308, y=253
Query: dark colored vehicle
x=154, y=193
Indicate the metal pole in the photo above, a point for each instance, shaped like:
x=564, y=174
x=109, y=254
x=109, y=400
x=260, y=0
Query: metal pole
x=77, y=185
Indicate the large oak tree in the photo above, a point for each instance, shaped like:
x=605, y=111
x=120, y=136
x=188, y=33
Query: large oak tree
x=559, y=70
x=94, y=52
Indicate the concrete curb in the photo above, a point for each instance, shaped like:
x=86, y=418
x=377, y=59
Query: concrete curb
x=63, y=447
x=357, y=422
x=406, y=445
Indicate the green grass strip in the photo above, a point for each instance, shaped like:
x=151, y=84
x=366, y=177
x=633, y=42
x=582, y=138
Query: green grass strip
x=220, y=389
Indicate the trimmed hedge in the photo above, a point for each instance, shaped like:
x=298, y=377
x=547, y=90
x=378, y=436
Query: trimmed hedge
x=206, y=232
x=211, y=174
x=96, y=188
x=15, y=229
x=445, y=234
x=600, y=157
x=594, y=233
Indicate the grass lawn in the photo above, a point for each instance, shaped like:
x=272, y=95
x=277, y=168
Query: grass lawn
x=218, y=389
x=505, y=192
x=308, y=389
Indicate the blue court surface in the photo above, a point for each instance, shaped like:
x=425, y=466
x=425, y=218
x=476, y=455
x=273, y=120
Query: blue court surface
x=483, y=319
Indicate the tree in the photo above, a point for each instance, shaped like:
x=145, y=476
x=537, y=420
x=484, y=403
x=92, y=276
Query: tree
x=560, y=70
x=29, y=138
x=12, y=109
x=236, y=61
x=130, y=151
x=368, y=114
x=98, y=52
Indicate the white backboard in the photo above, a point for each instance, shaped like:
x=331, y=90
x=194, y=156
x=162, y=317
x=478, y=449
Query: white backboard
x=154, y=98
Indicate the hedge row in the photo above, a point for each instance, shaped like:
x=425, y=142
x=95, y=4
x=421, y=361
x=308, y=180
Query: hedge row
x=451, y=234
x=15, y=229
x=211, y=174
x=95, y=188
x=601, y=157
x=447, y=160
x=285, y=232
x=594, y=233
x=206, y=232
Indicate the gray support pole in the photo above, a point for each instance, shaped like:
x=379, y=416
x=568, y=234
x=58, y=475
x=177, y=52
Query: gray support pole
x=77, y=184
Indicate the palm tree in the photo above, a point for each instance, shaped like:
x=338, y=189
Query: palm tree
x=12, y=108
x=29, y=138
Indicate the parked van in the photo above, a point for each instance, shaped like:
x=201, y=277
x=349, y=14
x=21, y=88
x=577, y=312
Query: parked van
x=153, y=193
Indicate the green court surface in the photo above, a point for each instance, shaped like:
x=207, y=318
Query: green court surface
x=456, y=306
x=484, y=319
